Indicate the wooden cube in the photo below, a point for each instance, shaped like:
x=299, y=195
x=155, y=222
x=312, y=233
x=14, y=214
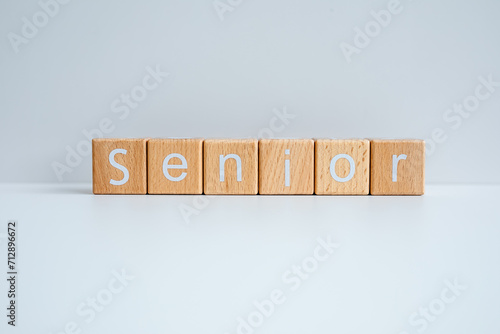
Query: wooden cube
x=231, y=166
x=342, y=167
x=397, y=167
x=175, y=166
x=119, y=166
x=286, y=166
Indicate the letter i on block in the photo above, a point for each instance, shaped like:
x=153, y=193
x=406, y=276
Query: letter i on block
x=119, y=166
x=342, y=167
x=175, y=166
x=397, y=167
x=286, y=166
x=231, y=166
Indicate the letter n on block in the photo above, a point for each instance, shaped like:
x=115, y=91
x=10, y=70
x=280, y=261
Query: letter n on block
x=119, y=166
x=231, y=166
x=397, y=167
x=342, y=167
x=175, y=166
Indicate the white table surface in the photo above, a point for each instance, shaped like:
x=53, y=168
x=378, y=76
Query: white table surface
x=394, y=259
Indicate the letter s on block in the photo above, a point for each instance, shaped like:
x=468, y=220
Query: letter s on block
x=118, y=166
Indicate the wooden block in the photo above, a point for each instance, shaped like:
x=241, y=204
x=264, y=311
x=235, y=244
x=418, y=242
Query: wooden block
x=175, y=166
x=286, y=166
x=342, y=167
x=231, y=166
x=397, y=167
x=119, y=166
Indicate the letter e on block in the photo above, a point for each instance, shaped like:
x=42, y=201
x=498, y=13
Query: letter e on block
x=175, y=166
x=119, y=166
x=397, y=167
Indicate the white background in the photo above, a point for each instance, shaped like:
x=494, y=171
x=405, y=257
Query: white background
x=227, y=76
x=199, y=275
x=199, y=272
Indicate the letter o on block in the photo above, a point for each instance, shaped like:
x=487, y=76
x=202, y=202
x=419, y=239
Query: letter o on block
x=342, y=166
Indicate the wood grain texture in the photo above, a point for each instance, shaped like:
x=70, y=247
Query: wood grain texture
x=134, y=161
x=272, y=162
x=189, y=183
x=247, y=150
x=410, y=171
x=325, y=150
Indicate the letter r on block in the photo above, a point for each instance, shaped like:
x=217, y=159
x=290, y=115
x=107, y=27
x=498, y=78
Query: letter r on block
x=395, y=162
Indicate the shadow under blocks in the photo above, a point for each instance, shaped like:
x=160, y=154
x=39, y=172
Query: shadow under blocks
x=250, y=166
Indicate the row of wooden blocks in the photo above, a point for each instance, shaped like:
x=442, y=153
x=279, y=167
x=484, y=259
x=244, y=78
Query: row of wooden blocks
x=251, y=166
